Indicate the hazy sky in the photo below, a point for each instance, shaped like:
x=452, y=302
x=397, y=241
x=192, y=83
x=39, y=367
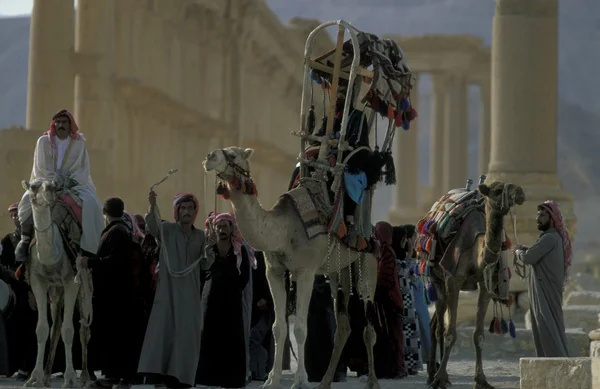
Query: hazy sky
x=15, y=7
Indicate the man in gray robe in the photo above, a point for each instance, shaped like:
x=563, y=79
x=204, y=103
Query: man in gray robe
x=172, y=343
x=548, y=260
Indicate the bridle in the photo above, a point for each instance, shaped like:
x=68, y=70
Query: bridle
x=47, y=203
x=235, y=166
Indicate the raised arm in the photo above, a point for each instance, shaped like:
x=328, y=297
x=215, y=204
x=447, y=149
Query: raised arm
x=152, y=219
x=543, y=246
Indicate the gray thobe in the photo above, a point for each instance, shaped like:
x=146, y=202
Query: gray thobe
x=172, y=342
x=546, y=262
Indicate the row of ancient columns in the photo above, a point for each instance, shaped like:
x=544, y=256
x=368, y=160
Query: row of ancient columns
x=448, y=151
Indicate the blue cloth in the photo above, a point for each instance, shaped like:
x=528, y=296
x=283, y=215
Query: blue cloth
x=355, y=185
x=423, y=317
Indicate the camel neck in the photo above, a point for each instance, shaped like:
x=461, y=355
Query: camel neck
x=494, y=232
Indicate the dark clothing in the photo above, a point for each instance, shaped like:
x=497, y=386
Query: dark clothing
x=355, y=351
x=222, y=340
x=116, y=314
x=20, y=326
x=262, y=346
x=6, y=275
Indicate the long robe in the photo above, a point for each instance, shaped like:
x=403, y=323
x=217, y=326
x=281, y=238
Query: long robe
x=320, y=330
x=222, y=348
x=6, y=275
x=261, y=345
x=172, y=342
x=61, y=165
x=546, y=262
x=20, y=326
x=410, y=324
x=247, y=296
x=116, y=311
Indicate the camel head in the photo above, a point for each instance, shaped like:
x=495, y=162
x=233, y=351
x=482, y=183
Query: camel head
x=229, y=163
x=42, y=193
x=501, y=197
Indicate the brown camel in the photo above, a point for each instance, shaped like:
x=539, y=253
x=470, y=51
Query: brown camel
x=499, y=198
x=279, y=233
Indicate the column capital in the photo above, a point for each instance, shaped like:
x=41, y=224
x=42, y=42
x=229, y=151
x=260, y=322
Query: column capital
x=538, y=8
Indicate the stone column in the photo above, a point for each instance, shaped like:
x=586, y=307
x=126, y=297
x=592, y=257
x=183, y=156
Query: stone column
x=455, y=137
x=485, y=142
x=523, y=118
x=94, y=89
x=50, y=74
x=405, y=205
x=436, y=152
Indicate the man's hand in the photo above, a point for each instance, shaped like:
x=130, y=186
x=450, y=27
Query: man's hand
x=152, y=198
x=262, y=304
x=211, y=239
x=521, y=247
x=31, y=300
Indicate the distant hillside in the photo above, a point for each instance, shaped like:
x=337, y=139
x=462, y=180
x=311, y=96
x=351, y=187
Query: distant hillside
x=579, y=59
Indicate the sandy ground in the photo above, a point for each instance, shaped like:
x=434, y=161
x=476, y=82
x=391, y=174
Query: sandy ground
x=501, y=374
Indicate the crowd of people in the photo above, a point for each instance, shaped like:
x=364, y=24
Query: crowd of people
x=176, y=305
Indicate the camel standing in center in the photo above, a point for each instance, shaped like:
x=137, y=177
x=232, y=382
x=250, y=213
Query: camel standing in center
x=499, y=199
x=51, y=274
x=279, y=233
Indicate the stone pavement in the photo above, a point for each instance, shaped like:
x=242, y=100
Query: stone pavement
x=501, y=374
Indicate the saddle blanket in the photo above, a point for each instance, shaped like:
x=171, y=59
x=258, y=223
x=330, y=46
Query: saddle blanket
x=472, y=226
x=76, y=209
x=312, y=220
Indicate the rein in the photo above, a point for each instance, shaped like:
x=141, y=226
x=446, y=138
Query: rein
x=241, y=180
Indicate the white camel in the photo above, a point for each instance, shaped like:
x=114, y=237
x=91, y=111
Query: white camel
x=51, y=274
x=279, y=233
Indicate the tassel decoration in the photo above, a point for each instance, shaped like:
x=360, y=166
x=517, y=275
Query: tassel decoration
x=312, y=120
x=511, y=329
x=432, y=293
x=492, y=325
x=342, y=230
x=504, y=326
x=497, y=327
x=361, y=245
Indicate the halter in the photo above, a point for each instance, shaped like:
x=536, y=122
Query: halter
x=246, y=186
x=236, y=167
x=504, y=206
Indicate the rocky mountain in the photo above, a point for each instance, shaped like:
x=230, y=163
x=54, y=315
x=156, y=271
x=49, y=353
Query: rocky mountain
x=579, y=59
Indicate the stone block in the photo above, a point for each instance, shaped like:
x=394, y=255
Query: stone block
x=557, y=373
x=595, y=343
x=583, y=298
x=576, y=316
x=505, y=347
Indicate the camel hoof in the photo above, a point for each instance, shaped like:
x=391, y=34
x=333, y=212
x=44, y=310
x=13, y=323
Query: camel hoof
x=37, y=380
x=70, y=384
x=301, y=385
x=372, y=385
x=270, y=383
x=48, y=381
x=483, y=385
x=440, y=383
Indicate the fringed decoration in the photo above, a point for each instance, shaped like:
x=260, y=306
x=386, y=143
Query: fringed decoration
x=497, y=327
x=422, y=267
x=511, y=329
x=361, y=244
x=342, y=230
x=503, y=326
x=390, y=170
x=19, y=273
x=432, y=293
x=223, y=191
x=492, y=325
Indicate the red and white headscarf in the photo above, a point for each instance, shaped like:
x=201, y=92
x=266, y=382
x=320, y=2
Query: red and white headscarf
x=74, y=133
x=559, y=223
x=183, y=198
x=135, y=229
x=14, y=207
x=237, y=241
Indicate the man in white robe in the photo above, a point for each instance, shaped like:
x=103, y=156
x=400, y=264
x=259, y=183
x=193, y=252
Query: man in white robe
x=61, y=155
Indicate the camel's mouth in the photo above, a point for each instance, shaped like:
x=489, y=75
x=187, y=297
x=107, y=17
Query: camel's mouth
x=212, y=161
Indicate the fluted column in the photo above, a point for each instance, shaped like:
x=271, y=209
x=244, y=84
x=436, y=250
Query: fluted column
x=436, y=153
x=455, y=133
x=485, y=142
x=50, y=75
x=405, y=205
x=94, y=89
x=524, y=98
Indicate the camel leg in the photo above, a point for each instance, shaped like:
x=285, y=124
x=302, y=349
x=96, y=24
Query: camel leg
x=453, y=286
x=40, y=291
x=55, y=310
x=369, y=334
x=483, y=302
x=342, y=329
x=305, y=279
x=276, y=278
x=85, y=313
x=437, y=333
x=68, y=331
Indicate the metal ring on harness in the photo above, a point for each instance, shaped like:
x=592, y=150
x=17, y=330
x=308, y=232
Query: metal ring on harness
x=8, y=300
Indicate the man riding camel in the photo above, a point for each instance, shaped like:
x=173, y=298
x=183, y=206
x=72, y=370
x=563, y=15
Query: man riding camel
x=61, y=155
